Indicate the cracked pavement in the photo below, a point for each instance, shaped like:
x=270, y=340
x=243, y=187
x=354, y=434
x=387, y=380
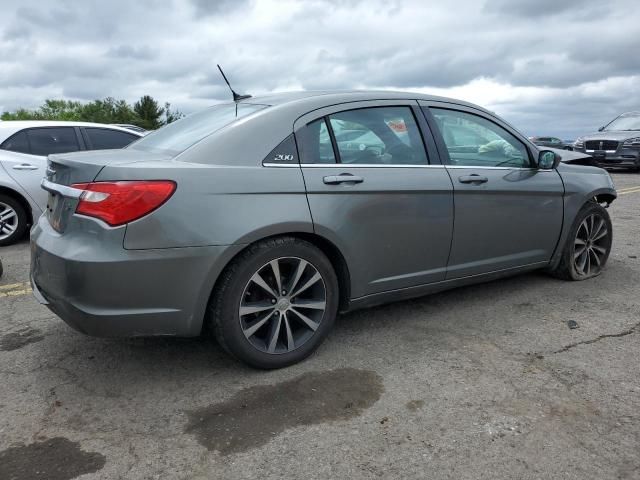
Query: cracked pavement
x=482, y=382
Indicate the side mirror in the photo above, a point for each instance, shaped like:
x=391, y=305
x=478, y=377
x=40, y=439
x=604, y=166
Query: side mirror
x=548, y=160
x=601, y=129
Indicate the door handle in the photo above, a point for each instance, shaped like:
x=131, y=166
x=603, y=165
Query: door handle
x=473, y=178
x=342, y=178
x=25, y=166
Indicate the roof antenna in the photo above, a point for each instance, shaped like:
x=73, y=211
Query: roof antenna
x=236, y=97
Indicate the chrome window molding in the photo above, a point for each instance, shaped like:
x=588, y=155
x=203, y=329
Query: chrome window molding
x=365, y=165
x=467, y=167
x=349, y=165
x=281, y=165
x=375, y=165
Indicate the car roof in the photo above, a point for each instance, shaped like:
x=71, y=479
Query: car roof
x=258, y=131
x=331, y=97
x=9, y=127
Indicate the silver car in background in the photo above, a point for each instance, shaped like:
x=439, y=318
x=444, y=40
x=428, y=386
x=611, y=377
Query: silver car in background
x=24, y=146
x=260, y=220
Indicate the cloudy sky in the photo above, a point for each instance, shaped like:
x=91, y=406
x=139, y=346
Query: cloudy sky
x=551, y=67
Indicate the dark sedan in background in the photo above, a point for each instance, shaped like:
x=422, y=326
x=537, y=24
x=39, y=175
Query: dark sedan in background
x=617, y=144
x=553, y=142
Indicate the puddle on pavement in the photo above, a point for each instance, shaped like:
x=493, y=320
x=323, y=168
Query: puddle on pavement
x=54, y=459
x=22, y=338
x=254, y=415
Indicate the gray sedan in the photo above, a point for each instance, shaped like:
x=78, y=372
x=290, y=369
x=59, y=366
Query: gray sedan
x=252, y=221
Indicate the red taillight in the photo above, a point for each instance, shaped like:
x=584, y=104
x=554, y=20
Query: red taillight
x=117, y=203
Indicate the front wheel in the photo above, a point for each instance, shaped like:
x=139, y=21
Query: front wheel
x=588, y=245
x=275, y=304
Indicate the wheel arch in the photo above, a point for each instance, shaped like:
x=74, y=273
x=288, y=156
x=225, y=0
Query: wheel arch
x=330, y=250
x=600, y=195
x=605, y=196
x=17, y=196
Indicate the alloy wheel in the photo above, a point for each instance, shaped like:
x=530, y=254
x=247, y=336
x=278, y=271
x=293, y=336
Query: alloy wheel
x=282, y=305
x=8, y=221
x=590, y=245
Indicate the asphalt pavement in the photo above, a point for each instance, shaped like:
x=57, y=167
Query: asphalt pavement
x=528, y=377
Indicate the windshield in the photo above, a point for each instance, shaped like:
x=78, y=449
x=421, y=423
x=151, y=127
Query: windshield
x=178, y=136
x=625, y=122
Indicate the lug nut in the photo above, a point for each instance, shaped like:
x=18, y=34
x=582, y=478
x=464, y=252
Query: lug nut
x=273, y=300
x=284, y=292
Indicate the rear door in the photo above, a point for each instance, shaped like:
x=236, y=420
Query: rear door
x=373, y=192
x=507, y=212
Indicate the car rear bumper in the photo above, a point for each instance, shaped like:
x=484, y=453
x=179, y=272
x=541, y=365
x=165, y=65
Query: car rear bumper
x=104, y=291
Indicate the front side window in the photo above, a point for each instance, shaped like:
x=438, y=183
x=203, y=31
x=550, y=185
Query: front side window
x=104, y=138
x=47, y=141
x=17, y=143
x=474, y=141
x=366, y=136
x=178, y=136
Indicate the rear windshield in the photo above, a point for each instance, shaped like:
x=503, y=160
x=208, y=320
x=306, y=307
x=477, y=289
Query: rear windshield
x=178, y=136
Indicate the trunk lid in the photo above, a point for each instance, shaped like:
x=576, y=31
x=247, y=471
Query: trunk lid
x=64, y=170
x=81, y=167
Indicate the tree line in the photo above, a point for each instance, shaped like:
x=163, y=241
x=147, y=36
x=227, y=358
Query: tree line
x=145, y=113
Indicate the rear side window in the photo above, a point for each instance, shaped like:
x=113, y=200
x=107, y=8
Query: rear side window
x=46, y=141
x=104, y=138
x=178, y=136
x=366, y=136
x=316, y=143
x=17, y=143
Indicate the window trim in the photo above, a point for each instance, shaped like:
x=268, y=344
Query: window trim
x=332, y=139
x=89, y=144
x=336, y=153
x=14, y=134
x=444, y=152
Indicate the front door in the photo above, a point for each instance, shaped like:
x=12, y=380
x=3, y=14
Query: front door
x=374, y=194
x=507, y=212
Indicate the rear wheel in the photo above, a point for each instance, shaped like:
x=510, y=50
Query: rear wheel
x=13, y=220
x=275, y=304
x=588, y=246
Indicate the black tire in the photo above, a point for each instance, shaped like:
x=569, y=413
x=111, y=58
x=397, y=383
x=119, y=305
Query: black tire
x=223, y=316
x=567, y=268
x=22, y=221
